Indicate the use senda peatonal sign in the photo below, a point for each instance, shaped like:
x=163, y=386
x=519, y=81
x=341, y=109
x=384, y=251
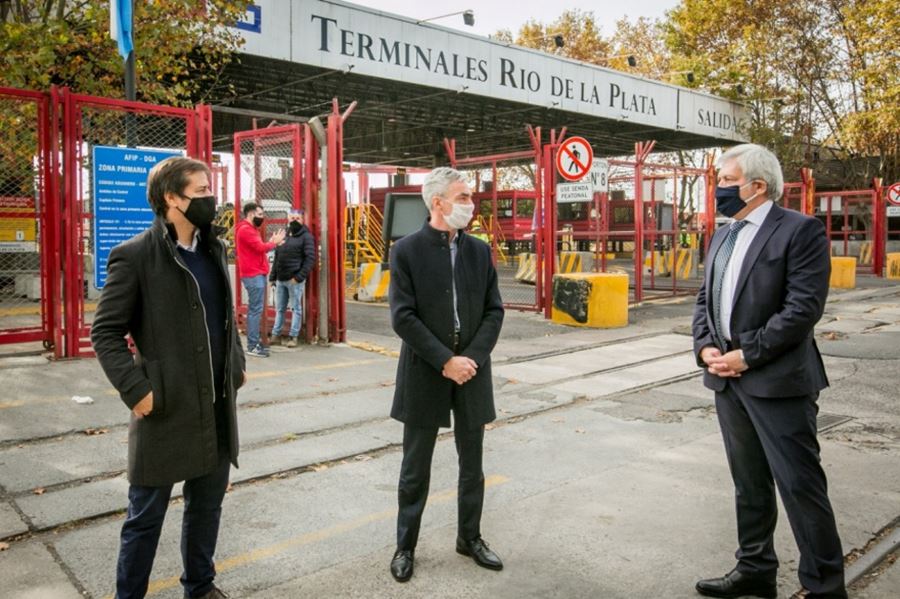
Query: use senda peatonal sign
x=338, y=35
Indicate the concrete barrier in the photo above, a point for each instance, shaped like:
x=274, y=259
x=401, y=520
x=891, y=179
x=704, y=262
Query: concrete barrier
x=865, y=253
x=843, y=272
x=893, y=265
x=591, y=299
x=527, y=268
x=374, y=282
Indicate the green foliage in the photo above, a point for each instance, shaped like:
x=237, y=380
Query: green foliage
x=181, y=48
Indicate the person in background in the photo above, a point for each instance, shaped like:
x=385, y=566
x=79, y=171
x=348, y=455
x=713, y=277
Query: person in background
x=294, y=260
x=168, y=289
x=253, y=266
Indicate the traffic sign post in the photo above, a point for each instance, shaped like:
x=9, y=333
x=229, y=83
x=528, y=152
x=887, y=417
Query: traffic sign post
x=574, y=158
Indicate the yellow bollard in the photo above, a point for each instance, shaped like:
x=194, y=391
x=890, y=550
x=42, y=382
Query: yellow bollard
x=843, y=272
x=591, y=299
x=893, y=265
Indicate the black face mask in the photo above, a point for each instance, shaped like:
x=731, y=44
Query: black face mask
x=258, y=221
x=295, y=227
x=200, y=211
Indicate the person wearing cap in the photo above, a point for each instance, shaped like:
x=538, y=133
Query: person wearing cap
x=446, y=307
x=294, y=260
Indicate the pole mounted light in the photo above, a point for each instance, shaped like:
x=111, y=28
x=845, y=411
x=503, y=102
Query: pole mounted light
x=468, y=17
x=558, y=40
x=632, y=61
x=688, y=75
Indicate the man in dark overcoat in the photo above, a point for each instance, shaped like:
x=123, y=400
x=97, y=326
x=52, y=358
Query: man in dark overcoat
x=168, y=289
x=765, y=289
x=446, y=307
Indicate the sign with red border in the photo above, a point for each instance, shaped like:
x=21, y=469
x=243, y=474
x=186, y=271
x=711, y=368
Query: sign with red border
x=574, y=158
x=893, y=194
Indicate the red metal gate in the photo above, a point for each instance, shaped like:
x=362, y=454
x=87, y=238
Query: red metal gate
x=513, y=227
x=852, y=224
x=276, y=167
x=30, y=307
x=89, y=121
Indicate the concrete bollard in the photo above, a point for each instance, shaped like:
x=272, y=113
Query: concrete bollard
x=843, y=272
x=591, y=299
x=893, y=265
x=374, y=282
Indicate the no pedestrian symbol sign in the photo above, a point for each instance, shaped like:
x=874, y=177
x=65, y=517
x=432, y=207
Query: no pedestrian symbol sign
x=893, y=194
x=574, y=158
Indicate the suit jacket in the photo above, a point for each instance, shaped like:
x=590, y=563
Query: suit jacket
x=780, y=296
x=421, y=300
x=151, y=295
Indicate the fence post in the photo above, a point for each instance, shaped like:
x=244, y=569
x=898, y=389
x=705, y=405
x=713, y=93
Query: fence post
x=879, y=222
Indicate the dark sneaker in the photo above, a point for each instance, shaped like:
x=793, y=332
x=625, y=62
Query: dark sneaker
x=258, y=351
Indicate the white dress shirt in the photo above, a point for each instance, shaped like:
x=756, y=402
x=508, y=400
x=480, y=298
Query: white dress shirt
x=733, y=270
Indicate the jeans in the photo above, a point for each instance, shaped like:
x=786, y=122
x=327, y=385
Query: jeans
x=199, y=532
x=288, y=291
x=256, y=292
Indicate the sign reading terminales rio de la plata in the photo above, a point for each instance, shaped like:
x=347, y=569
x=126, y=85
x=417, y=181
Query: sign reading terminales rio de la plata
x=121, y=210
x=338, y=35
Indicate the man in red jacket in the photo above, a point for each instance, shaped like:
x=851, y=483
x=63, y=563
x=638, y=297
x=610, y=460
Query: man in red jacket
x=252, y=267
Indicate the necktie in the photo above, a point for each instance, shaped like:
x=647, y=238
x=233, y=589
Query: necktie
x=720, y=264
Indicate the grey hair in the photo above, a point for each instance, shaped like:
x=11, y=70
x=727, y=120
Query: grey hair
x=437, y=181
x=758, y=164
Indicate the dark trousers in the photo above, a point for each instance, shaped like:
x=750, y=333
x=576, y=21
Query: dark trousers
x=199, y=532
x=775, y=438
x=415, y=475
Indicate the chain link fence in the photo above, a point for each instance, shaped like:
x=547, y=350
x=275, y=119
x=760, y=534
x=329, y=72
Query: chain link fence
x=21, y=239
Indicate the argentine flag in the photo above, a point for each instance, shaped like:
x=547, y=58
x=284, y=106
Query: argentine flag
x=120, y=25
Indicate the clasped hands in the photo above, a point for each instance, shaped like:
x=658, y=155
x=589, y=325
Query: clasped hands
x=728, y=365
x=460, y=369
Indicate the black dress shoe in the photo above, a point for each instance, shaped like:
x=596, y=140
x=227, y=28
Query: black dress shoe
x=478, y=550
x=402, y=565
x=214, y=593
x=738, y=584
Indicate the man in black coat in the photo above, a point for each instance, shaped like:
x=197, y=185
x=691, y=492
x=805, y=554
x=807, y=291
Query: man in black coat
x=168, y=289
x=767, y=276
x=446, y=307
x=294, y=259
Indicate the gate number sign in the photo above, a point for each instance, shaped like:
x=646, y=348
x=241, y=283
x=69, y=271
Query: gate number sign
x=574, y=158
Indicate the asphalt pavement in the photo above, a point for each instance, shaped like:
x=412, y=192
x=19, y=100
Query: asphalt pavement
x=606, y=476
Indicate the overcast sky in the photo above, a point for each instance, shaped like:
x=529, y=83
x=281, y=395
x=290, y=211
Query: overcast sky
x=492, y=15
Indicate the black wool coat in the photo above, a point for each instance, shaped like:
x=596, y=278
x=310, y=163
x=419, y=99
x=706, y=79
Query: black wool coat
x=421, y=301
x=151, y=295
x=780, y=296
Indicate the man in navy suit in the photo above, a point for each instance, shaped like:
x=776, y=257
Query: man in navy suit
x=766, y=284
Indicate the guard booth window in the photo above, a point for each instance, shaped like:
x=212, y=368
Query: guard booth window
x=525, y=207
x=573, y=211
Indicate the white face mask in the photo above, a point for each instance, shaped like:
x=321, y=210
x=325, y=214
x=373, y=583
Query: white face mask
x=460, y=216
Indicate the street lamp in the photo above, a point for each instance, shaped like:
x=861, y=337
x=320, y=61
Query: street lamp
x=632, y=61
x=688, y=75
x=558, y=40
x=468, y=17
